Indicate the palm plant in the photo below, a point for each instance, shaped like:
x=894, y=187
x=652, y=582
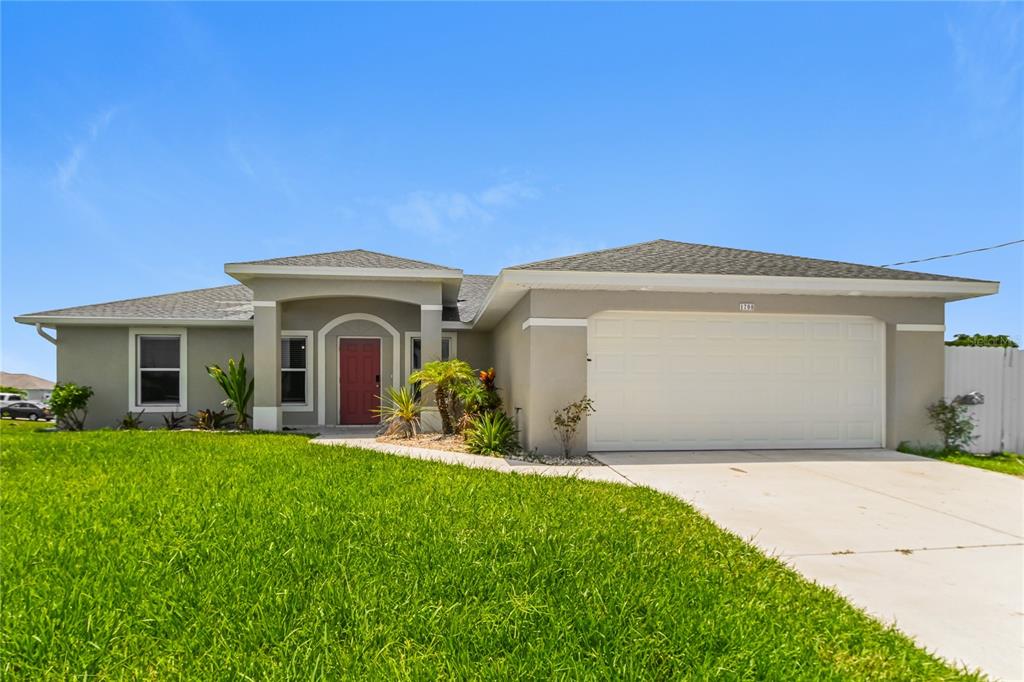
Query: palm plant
x=237, y=387
x=447, y=377
x=399, y=412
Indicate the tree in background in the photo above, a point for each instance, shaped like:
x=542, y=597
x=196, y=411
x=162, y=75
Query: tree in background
x=983, y=341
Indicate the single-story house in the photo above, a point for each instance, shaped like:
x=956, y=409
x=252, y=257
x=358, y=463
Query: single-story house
x=36, y=388
x=680, y=346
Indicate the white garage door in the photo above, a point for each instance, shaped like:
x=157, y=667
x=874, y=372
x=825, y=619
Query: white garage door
x=685, y=381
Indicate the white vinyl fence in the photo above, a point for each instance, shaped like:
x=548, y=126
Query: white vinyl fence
x=998, y=374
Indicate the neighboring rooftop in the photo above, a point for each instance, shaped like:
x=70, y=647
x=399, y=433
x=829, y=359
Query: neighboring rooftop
x=352, y=258
x=25, y=381
x=667, y=256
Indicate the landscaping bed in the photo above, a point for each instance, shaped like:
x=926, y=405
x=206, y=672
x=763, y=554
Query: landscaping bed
x=253, y=556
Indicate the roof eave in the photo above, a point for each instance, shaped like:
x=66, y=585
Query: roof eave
x=512, y=283
x=108, y=321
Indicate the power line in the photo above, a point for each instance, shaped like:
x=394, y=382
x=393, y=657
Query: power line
x=959, y=253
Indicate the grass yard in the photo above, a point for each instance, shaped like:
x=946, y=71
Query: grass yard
x=158, y=554
x=1005, y=463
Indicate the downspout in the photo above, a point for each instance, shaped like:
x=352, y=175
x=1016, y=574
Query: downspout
x=42, y=332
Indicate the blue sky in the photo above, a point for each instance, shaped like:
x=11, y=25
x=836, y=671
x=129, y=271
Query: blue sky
x=144, y=145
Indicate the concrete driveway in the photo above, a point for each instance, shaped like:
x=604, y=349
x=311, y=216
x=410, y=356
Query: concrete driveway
x=936, y=548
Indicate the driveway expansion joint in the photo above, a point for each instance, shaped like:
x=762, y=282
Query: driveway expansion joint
x=899, y=550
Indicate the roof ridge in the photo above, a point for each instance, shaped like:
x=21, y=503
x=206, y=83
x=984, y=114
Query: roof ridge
x=343, y=251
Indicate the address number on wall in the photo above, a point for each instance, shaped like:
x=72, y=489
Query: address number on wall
x=747, y=307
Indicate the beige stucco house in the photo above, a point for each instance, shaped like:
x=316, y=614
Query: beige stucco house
x=681, y=346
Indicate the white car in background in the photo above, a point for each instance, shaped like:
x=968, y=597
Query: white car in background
x=8, y=398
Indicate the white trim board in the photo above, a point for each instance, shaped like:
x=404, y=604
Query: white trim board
x=321, y=357
x=133, y=370
x=554, y=322
x=920, y=327
x=431, y=307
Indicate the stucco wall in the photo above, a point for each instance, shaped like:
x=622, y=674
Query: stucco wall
x=98, y=357
x=556, y=356
x=475, y=348
x=511, y=362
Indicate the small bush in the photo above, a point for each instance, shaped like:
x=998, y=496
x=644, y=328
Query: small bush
x=11, y=389
x=492, y=433
x=952, y=421
x=567, y=420
x=174, y=421
x=68, y=403
x=478, y=398
x=400, y=412
x=210, y=420
x=131, y=421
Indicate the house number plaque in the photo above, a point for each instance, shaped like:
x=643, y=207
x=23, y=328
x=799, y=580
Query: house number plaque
x=747, y=307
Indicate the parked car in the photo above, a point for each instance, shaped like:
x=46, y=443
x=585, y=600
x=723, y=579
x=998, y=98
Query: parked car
x=8, y=398
x=25, y=410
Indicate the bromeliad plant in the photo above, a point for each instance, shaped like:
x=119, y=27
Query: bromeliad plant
x=210, y=420
x=131, y=421
x=492, y=433
x=399, y=412
x=238, y=388
x=447, y=377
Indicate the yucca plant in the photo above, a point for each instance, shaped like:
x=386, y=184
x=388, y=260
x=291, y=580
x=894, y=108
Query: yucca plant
x=237, y=386
x=447, y=377
x=492, y=433
x=399, y=412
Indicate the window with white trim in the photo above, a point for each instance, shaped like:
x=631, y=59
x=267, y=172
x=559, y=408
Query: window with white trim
x=294, y=365
x=159, y=369
x=416, y=362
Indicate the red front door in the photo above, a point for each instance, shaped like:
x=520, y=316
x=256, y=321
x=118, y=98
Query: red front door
x=359, y=373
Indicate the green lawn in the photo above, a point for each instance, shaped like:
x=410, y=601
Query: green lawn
x=200, y=556
x=1005, y=463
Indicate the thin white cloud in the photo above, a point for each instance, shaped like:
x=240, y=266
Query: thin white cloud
x=508, y=194
x=988, y=58
x=440, y=212
x=68, y=169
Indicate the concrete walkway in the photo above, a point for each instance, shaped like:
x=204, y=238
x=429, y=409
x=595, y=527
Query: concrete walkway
x=506, y=465
x=936, y=548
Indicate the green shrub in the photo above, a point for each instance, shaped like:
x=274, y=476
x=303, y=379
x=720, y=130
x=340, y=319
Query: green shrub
x=492, y=433
x=478, y=398
x=237, y=386
x=400, y=412
x=131, y=421
x=68, y=403
x=983, y=340
x=567, y=420
x=952, y=421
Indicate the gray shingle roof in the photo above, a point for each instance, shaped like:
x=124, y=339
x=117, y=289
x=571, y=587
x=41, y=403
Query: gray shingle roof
x=25, y=381
x=667, y=256
x=233, y=302
x=353, y=258
x=472, y=293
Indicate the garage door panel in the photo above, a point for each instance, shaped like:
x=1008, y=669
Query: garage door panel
x=688, y=381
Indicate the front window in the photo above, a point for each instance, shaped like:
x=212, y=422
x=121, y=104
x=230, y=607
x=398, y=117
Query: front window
x=293, y=370
x=417, y=354
x=159, y=378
